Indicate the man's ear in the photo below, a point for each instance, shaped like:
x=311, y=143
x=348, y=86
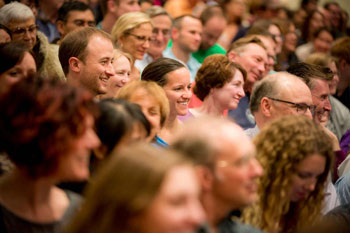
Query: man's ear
x=60, y=27
x=175, y=33
x=232, y=56
x=205, y=177
x=266, y=107
x=74, y=64
x=342, y=64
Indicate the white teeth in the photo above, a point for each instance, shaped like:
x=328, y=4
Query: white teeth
x=184, y=103
x=104, y=79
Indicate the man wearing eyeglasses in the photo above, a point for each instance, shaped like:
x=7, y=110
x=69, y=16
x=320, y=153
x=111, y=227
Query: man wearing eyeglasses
x=226, y=168
x=74, y=15
x=162, y=23
x=276, y=95
x=20, y=19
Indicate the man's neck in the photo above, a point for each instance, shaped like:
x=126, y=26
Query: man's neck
x=108, y=22
x=180, y=54
x=215, y=210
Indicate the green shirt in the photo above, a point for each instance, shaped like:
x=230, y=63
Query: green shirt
x=200, y=55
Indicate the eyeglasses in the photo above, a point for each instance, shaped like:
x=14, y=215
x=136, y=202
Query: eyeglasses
x=142, y=39
x=22, y=31
x=301, y=107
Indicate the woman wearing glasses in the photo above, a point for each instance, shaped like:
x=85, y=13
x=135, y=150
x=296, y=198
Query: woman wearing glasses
x=162, y=22
x=297, y=158
x=20, y=19
x=132, y=33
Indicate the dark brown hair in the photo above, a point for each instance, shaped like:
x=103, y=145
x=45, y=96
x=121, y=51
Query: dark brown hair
x=157, y=70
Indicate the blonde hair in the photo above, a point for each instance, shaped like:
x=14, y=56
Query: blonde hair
x=281, y=146
x=152, y=89
x=124, y=189
x=119, y=53
x=321, y=59
x=126, y=23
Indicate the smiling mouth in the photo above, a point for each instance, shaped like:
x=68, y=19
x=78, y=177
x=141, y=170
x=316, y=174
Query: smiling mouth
x=184, y=103
x=104, y=79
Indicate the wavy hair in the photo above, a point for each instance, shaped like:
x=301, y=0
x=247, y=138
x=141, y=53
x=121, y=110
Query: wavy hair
x=280, y=148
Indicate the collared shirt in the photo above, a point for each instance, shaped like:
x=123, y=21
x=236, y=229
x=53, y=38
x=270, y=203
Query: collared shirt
x=192, y=64
x=242, y=115
x=141, y=64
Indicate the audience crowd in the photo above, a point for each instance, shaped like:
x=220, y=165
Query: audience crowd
x=174, y=116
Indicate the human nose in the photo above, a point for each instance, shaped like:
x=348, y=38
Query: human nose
x=241, y=92
x=146, y=44
x=327, y=105
x=195, y=214
x=110, y=70
x=125, y=79
x=308, y=114
x=198, y=37
x=187, y=94
x=93, y=140
x=261, y=68
x=256, y=169
x=27, y=34
x=310, y=186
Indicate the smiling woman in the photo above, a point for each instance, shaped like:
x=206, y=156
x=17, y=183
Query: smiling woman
x=47, y=131
x=16, y=63
x=174, y=78
x=219, y=84
x=132, y=33
x=297, y=158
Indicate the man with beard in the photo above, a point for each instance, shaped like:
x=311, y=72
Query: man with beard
x=86, y=56
x=214, y=24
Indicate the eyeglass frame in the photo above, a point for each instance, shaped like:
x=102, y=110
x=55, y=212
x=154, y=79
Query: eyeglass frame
x=31, y=29
x=141, y=38
x=298, y=106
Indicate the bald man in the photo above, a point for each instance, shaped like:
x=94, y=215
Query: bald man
x=276, y=95
x=226, y=167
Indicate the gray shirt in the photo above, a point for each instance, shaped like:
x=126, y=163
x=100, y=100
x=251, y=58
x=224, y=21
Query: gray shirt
x=16, y=224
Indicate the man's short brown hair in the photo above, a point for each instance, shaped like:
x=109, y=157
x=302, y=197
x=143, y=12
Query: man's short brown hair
x=239, y=45
x=308, y=72
x=75, y=44
x=341, y=49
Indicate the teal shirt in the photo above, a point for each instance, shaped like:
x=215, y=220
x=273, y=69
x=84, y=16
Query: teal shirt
x=200, y=55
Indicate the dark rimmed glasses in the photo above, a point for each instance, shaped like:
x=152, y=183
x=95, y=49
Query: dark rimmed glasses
x=142, y=39
x=300, y=107
x=22, y=31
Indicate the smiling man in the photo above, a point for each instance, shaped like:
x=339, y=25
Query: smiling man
x=86, y=56
x=276, y=95
x=186, y=35
x=226, y=168
x=251, y=54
